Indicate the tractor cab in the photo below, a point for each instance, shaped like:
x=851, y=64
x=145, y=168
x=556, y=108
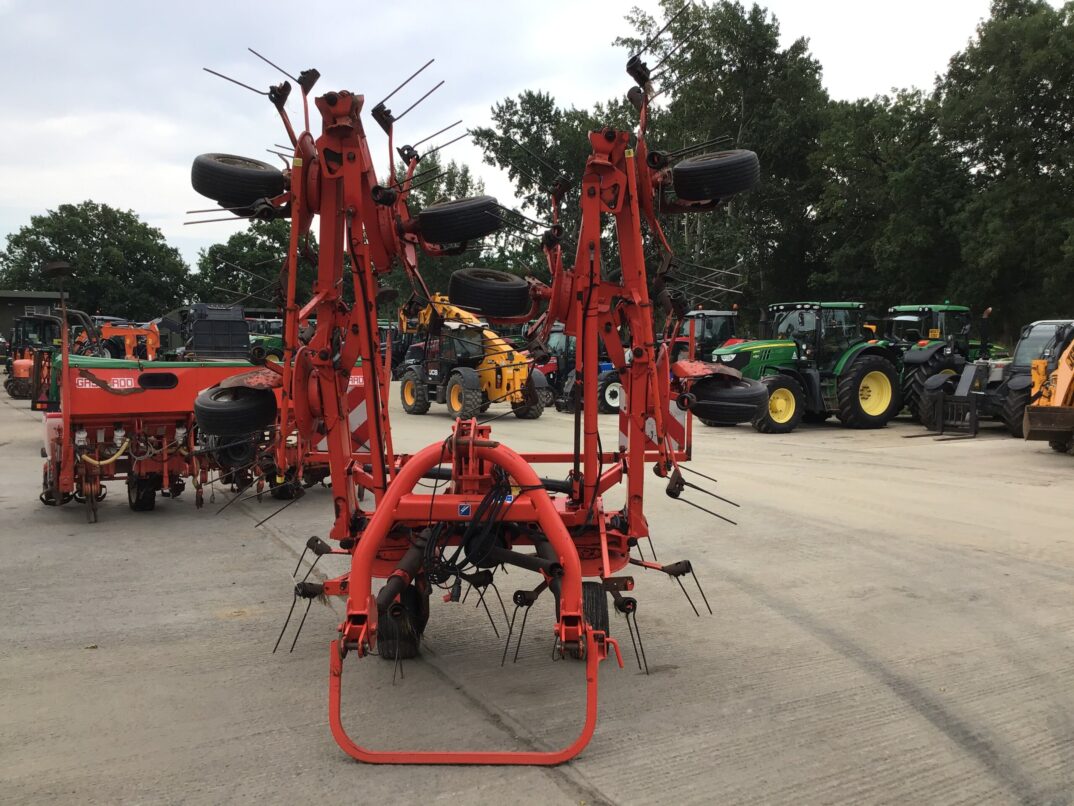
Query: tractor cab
x=823, y=358
x=934, y=340
x=711, y=329
x=923, y=324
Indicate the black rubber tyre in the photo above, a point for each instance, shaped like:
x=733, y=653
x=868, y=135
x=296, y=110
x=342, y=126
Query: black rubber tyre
x=723, y=400
x=852, y=411
x=609, y=392
x=459, y=220
x=1062, y=445
x=234, y=181
x=1013, y=411
x=786, y=405
x=414, y=393
x=401, y=637
x=716, y=176
x=463, y=402
x=141, y=497
x=234, y=410
x=112, y=349
x=595, y=606
x=485, y=402
x=529, y=411
x=595, y=610
x=716, y=423
x=913, y=382
x=491, y=292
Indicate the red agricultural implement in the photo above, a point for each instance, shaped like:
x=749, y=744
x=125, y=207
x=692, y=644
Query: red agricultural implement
x=488, y=507
x=115, y=420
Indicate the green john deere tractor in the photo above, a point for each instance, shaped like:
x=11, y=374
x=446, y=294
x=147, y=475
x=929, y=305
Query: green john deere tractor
x=823, y=358
x=934, y=340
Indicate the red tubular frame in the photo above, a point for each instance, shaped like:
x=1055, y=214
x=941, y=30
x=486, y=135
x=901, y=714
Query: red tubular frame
x=333, y=177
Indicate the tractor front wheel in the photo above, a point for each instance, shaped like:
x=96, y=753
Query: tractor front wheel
x=1013, y=411
x=786, y=404
x=414, y=393
x=913, y=385
x=463, y=401
x=867, y=393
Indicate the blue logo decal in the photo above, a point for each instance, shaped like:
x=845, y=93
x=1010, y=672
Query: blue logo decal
x=464, y=510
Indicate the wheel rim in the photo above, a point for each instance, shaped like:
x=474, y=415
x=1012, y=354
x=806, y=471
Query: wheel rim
x=781, y=405
x=455, y=397
x=408, y=393
x=612, y=393
x=874, y=393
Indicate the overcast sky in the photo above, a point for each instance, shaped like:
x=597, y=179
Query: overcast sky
x=107, y=100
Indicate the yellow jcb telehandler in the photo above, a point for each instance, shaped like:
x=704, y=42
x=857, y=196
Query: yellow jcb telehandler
x=1050, y=416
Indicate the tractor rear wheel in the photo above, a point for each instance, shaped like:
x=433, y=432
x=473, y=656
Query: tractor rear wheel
x=414, y=393
x=1062, y=445
x=459, y=220
x=1013, y=411
x=913, y=383
x=463, y=401
x=716, y=176
x=399, y=637
x=233, y=181
x=786, y=405
x=490, y=292
x=609, y=393
x=867, y=393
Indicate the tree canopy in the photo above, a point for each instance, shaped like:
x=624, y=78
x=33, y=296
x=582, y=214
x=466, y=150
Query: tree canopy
x=121, y=266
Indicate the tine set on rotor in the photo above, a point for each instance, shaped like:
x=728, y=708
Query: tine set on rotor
x=524, y=599
x=304, y=589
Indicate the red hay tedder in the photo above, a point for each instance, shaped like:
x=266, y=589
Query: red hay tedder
x=489, y=506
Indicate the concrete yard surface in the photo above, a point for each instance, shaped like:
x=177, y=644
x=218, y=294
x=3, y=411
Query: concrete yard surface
x=893, y=623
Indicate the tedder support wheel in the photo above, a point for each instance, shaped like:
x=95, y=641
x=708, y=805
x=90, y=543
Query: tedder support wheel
x=234, y=181
x=463, y=400
x=716, y=176
x=140, y=494
x=595, y=609
x=867, y=393
x=913, y=384
x=233, y=410
x=609, y=393
x=400, y=636
x=1013, y=411
x=786, y=405
x=414, y=393
x=459, y=220
x=491, y=292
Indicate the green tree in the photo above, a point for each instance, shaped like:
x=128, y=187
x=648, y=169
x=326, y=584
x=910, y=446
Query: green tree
x=246, y=268
x=1007, y=111
x=724, y=74
x=891, y=191
x=122, y=266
